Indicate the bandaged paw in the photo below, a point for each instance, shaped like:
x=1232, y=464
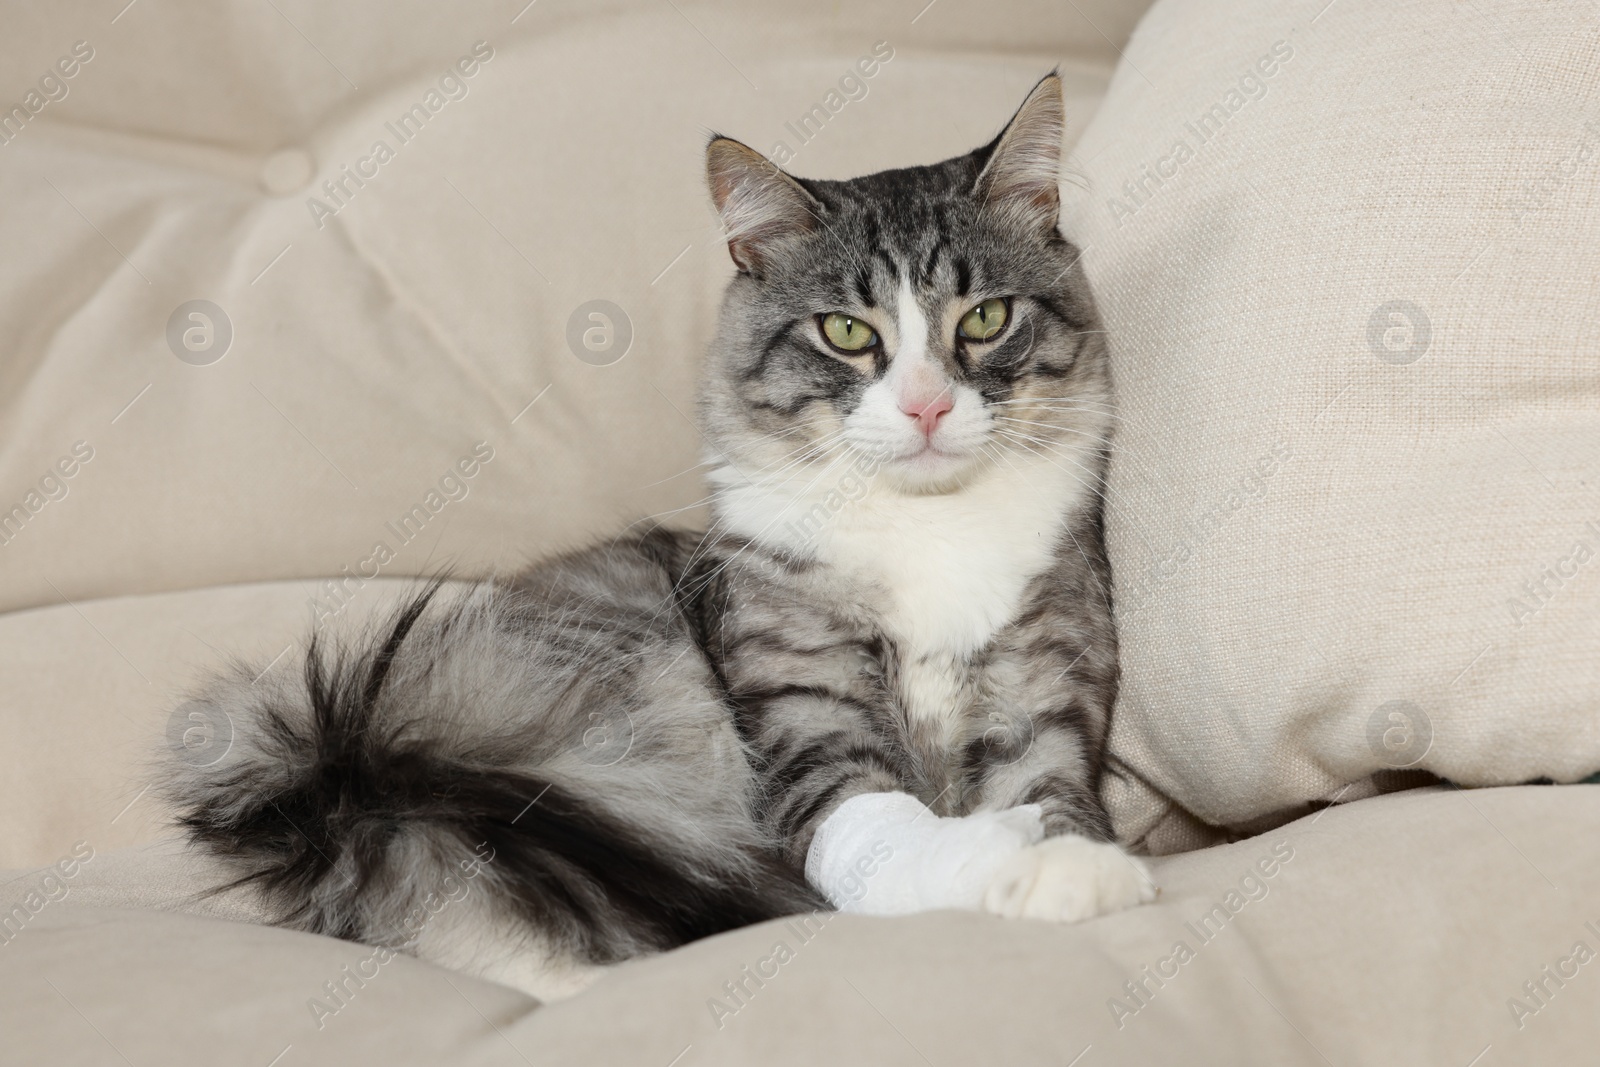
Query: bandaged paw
x=888, y=854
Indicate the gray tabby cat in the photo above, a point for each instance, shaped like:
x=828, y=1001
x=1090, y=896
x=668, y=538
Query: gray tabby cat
x=881, y=682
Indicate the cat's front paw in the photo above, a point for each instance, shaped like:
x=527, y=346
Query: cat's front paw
x=1068, y=879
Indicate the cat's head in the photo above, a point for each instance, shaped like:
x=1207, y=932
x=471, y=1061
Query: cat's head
x=932, y=319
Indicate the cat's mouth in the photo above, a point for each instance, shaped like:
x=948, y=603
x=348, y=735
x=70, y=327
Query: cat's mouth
x=930, y=467
x=931, y=453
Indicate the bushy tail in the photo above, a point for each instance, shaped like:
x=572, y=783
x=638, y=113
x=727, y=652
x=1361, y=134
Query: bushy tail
x=348, y=795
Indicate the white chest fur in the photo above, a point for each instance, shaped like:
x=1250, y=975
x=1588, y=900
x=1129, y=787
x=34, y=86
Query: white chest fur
x=952, y=566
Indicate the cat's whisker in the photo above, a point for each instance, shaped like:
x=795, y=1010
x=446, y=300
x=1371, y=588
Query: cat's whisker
x=749, y=541
x=787, y=431
x=710, y=577
x=788, y=458
x=1019, y=435
x=1049, y=426
x=1030, y=447
x=663, y=514
x=811, y=449
x=1007, y=431
x=1030, y=422
x=671, y=477
x=713, y=533
x=806, y=457
x=1051, y=408
x=1054, y=403
x=1082, y=400
x=1007, y=460
x=1081, y=404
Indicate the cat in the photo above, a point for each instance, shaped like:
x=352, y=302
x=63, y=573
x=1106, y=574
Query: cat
x=881, y=682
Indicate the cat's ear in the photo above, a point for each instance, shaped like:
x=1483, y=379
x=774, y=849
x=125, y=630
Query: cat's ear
x=762, y=208
x=1024, y=167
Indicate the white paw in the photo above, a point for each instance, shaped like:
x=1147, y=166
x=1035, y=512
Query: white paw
x=1067, y=879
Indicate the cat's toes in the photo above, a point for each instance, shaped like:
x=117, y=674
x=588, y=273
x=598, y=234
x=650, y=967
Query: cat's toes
x=1067, y=879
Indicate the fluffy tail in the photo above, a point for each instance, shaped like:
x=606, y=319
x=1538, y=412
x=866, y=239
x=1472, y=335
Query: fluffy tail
x=451, y=746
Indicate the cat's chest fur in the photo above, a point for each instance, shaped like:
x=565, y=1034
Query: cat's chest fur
x=940, y=573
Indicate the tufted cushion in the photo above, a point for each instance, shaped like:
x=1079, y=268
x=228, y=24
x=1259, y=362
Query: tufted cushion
x=361, y=335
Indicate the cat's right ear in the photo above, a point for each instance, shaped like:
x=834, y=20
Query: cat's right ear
x=1023, y=171
x=762, y=208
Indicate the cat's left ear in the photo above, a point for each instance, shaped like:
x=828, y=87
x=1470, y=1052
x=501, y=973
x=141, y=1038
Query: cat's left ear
x=1024, y=168
x=762, y=208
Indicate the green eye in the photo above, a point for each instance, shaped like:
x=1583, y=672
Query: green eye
x=984, y=321
x=846, y=333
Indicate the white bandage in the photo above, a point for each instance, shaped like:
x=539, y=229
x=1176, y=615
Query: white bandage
x=887, y=854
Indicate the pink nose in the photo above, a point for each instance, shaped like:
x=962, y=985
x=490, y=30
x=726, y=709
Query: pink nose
x=928, y=412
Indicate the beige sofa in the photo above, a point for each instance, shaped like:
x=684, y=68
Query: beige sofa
x=1354, y=322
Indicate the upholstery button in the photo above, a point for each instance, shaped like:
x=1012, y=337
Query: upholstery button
x=287, y=171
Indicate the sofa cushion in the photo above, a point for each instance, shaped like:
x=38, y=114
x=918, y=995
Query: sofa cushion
x=1399, y=929
x=91, y=985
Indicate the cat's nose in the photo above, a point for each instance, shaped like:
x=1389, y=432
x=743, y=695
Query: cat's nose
x=928, y=412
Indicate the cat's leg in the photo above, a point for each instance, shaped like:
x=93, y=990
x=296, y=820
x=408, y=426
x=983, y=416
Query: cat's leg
x=831, y=759
x=1052, y=682
x=1077, y=871
x=815, y=749
x=842, y=798
x=845, y=798
x=804, y=679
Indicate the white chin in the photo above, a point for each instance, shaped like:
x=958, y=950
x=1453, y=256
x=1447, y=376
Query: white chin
x=928, y=471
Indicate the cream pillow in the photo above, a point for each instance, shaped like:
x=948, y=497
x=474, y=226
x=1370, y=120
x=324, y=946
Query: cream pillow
x=1348, y=260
